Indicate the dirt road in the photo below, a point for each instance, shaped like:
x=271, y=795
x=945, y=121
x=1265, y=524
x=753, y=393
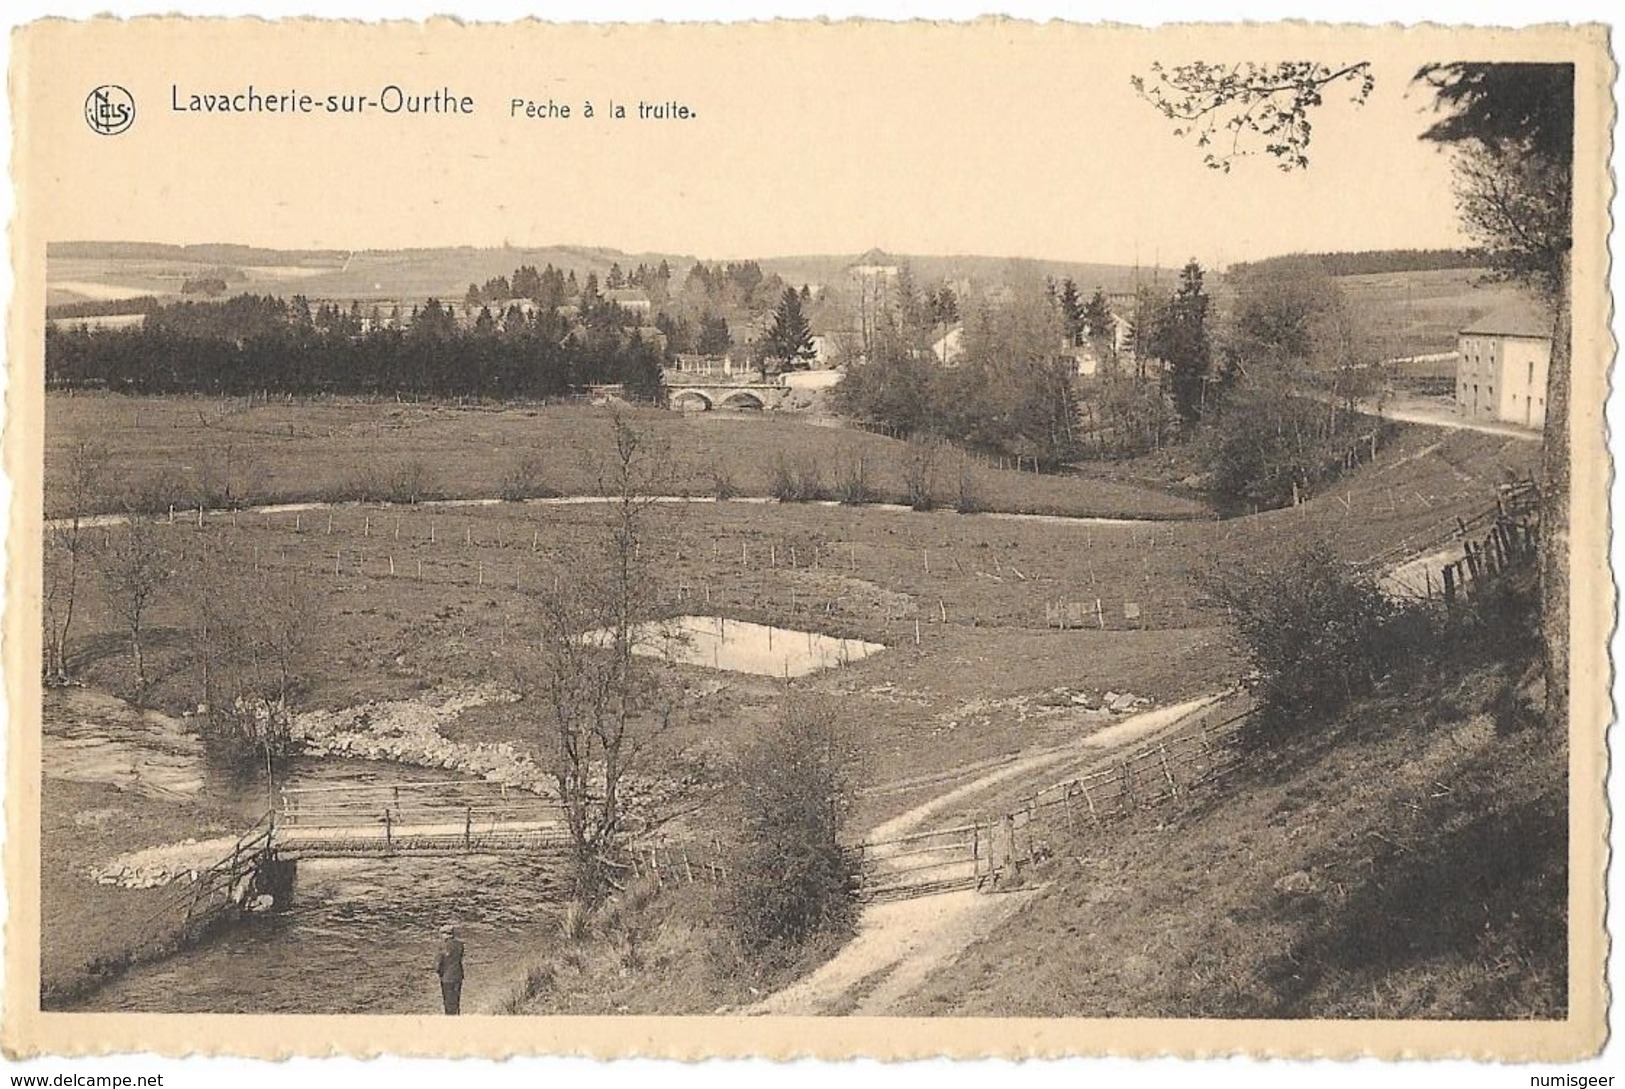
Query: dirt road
x=901, y=942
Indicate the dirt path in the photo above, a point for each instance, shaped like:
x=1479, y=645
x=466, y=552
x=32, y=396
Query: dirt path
x=901, y=942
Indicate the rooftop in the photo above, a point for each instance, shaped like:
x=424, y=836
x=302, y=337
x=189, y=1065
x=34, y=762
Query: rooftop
x=1512, y=321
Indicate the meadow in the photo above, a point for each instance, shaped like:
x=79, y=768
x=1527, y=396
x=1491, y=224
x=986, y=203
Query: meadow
x=419, y=597
x=280, y=451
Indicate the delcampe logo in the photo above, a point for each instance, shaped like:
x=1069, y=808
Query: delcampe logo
x=110, y=109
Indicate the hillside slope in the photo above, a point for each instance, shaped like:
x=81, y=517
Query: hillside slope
x=1408, y=860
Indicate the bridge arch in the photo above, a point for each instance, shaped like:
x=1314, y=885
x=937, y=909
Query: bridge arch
x=691, y=400
x=744, y=399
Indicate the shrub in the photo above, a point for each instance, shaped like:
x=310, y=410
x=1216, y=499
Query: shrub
x=969, y=498
x=1271, y=447
x=1317, y=630
x=523, y=480
x=722, y=482
x=920, y=474
x=792, y=881
x=853, y=487
x=406, y=483
x=409, y=482
x=801, y=482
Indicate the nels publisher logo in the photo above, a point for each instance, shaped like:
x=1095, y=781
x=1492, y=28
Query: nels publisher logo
x=109, y=109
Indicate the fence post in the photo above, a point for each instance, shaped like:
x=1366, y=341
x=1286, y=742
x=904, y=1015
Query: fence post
x=976, y=852
x=389, y=837
x=1090, y=802
x=468, y=826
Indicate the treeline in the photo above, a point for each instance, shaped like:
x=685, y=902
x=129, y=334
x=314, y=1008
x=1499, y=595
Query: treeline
x=101, y=308
x=1263, y=397
x=208, y=253
x=1367, y=262
x=544, y=356
x=554, y=287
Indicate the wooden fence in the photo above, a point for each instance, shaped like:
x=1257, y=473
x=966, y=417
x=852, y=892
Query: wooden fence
x=677, y=864
x=1515, y=501
x=983, y=853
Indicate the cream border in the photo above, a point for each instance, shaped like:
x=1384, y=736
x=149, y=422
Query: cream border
x=28, y=1032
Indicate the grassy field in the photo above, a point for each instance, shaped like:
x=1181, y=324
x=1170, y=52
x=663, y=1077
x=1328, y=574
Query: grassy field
x=1419, y=313
x=320, y=450
x=409, y=599
x=415, y=598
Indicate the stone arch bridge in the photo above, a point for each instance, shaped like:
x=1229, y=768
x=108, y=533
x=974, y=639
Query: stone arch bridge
x=703, y=395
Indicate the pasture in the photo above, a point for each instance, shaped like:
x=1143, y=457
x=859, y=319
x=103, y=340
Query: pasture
x=281, y=451
x=435, y=596
x=1418, y=313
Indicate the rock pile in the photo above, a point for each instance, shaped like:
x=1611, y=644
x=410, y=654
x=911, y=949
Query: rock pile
x=153, y=866
x=408, y=732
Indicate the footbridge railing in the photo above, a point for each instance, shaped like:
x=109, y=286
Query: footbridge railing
x=436, y=817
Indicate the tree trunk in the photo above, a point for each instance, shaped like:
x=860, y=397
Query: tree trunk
x=1554, y=513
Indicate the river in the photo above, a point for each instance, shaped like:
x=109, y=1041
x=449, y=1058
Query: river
x=360, y=938
x=362, y=934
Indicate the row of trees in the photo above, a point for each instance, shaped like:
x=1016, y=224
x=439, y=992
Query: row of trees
x=1011, y=391
x=540, y=356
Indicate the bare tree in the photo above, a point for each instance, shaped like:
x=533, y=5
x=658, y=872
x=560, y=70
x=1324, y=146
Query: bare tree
x=84, y=481
x=134, y=568
x=920, y=473
x=608, y=704
x=250, y=637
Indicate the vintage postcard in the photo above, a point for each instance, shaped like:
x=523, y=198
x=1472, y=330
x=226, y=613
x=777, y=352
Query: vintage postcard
x=841, y=539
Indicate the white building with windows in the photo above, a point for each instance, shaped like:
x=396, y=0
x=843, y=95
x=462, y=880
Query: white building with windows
x=1501, y=365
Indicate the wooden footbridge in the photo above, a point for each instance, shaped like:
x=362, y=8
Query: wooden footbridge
x=354, y=820
x=426, y=818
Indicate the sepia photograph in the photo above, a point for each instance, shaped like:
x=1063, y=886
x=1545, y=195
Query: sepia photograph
x=836, y=538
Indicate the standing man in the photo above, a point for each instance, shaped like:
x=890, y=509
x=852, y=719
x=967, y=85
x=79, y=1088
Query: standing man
x=449, y=967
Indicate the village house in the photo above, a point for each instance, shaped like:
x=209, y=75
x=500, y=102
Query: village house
x=629, y=299
x=1502, y=361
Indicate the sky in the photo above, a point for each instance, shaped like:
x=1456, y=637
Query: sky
x=1002, y=139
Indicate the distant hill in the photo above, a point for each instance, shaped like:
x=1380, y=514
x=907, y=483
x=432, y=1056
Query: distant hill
x=208, y=253
x=929, y=268
x=1368, y=262
x=80, y=271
